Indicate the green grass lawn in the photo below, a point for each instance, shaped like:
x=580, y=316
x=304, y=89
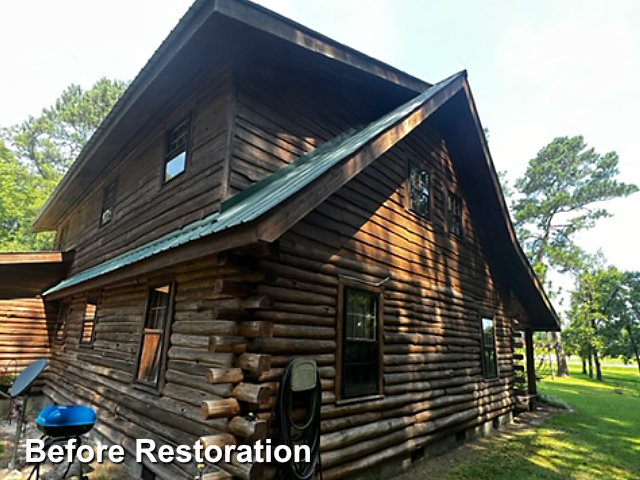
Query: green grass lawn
x=599, y=440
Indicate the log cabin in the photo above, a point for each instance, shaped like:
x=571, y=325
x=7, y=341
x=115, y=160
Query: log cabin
x=262, y=192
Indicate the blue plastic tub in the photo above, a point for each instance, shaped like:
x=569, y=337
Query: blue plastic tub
x=66, y=420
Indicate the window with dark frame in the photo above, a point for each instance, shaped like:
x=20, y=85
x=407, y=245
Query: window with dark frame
x=454, y=214
x=419, y=191
x=156, y=321
x=89, y=320
x=175, y=159
x=61, y=322
x=108, y=203
x=361, y=343
x=489, y=352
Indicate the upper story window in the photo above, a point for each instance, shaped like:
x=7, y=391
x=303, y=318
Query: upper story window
x=89, y=320
x=175, y=159
x=454, y=214
x=61, y=322
x=361, y=343
x=108, y=203
x=419, y=191
x=152, y=343
x=489, y=353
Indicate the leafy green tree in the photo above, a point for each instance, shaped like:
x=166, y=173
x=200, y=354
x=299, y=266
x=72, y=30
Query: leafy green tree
x=594, y=304
x=21, y=194
x=35, y=154
x=559, y=196
x=622, y=334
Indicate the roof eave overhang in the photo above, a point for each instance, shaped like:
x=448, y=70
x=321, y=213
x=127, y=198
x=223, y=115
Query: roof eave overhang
x=196, y=17
x=461, y=127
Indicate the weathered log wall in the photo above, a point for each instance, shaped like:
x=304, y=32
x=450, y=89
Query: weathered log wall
x=26, y=328
x=212, y=298
x=436, y=288
x=240, y=318
x=146, y=208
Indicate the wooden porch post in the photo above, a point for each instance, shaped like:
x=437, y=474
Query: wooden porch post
x=531, y=362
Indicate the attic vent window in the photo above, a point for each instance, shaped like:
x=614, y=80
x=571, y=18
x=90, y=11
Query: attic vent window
x=108, y=203
x=419, y=191
x=454, y=217
x=175, y=159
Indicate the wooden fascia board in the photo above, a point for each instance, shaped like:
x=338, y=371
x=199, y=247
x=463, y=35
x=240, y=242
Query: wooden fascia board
x=235, y=238
x=282, y=27
x=504, y=211
x=35, y=257
x=297, y=207
x=48, y=215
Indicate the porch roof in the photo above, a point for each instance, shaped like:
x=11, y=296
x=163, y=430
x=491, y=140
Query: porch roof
x=26, y=275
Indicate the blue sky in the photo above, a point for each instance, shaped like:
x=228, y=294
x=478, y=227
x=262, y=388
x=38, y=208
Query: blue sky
x=537, y=69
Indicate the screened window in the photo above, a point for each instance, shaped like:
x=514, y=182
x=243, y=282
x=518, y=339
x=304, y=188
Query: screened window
x=89, y=320
x=454, y=217
x=489, y=356
x=61, y=322
x=156, y=319
x=108, y=203
x=175, y=160
x=419, y=191
x=361, y=343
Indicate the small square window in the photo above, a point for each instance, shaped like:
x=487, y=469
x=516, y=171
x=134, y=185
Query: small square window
x=175, y=159
x=108, y=203
x=454, y=214
x=89, y=321
x=419, y=191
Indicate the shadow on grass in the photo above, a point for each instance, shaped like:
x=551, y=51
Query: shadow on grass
x=599, y=440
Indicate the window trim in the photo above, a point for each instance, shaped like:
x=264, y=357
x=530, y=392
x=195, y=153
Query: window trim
x=98, y=297
x=168, y=156
x=419, y=165
x=111, y=184
x=483, y=348
x=343, y=285
x=142, y=384
x=455, y=193
x=65, y=307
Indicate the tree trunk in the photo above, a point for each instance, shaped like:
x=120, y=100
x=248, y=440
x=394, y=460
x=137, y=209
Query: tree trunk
x=584, y=364
x=561, y=358
x=634, y=344
x=596, y=356
x=590, y=362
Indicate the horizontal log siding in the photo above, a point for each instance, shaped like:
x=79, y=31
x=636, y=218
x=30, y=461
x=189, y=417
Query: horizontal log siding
x=278, y=121
x=26, y=328
x=436, y=287
x=145, y=208
x=101, y=376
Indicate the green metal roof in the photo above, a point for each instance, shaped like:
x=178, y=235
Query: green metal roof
x=266, y=194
